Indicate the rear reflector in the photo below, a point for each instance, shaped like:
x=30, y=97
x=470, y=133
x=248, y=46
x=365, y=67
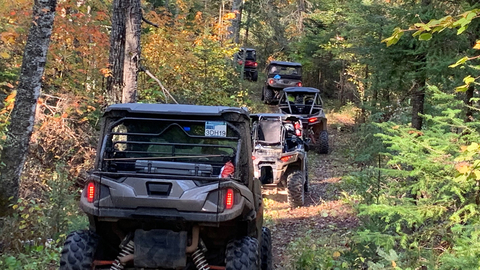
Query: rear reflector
x=285, y=158
x=229, y=199
x=90, y=192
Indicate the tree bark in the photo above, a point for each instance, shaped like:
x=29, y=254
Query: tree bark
x=235, y=29
x=132, y=51
x=418, y=99
x=22, y=118
x=117, y=53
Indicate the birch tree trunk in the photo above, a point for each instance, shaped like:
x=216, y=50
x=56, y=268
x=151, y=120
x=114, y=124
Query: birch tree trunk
x=131, y=65
x=22, y=118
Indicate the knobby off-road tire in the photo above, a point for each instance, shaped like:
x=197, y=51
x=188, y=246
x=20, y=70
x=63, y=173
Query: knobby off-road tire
x=242, y=254
x=295, y=189
x=323, y=140
x=255, y=76
x=266, y=250
x=267, y=95
x=305, y=186
x=79, y=250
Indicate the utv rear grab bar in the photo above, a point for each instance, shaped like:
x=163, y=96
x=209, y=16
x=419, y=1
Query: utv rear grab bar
x=170, y=157
x=164, y=176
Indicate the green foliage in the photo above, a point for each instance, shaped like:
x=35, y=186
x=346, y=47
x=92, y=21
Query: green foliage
x=36, y=220
x=311, y=253
x=35, y=257
x=428, y=187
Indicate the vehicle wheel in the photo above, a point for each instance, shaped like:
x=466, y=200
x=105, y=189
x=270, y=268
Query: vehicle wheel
x=295, y=191
x=242, y=254
x=268, y=95
x=255, y=76
x=79, y=250
x=305, y=186
x=323, y=140
x=266, y=251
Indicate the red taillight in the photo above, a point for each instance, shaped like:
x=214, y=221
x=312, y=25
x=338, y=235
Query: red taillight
x=253, y=157
x=313, y=119
x=90, y=192
x=285, y=158
x=270, y=81
x=299, y=84
x=229, y=199
x=255, y=64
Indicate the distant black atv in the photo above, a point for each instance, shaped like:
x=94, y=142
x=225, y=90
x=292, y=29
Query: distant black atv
x=279, y=155
x=279, y=76
x=248, y=55
x=172, y=188
x=307, y=104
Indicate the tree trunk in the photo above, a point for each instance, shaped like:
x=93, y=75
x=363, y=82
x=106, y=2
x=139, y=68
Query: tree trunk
x=132, y=51
x=22, y=119
x=235, y=29
x=418, y=99
x=117, y=53
x=301, y=11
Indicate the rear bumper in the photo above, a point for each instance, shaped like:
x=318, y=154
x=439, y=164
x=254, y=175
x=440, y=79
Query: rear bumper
x=163, y=214
x=126, y=199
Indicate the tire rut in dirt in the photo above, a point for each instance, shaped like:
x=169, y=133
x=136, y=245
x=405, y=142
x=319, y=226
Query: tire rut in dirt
x=79, y=250
x=266, y=250
x=323, y=146
x=242, y=254
x=295, y=191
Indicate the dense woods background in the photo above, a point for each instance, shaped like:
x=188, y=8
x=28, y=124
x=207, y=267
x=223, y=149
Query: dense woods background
x=416, y=187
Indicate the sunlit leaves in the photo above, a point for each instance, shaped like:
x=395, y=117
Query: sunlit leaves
x=395, y=37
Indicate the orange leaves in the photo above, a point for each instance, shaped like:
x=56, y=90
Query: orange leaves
x=462, y=167
x=477, y=45
x=230, y=16
x=106, y=72
x=8, y=37
x=415, y=132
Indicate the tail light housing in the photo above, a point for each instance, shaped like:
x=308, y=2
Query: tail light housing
x=299, y=84
x=298, y=129
x=286, y=158
x=312, y=119
x=270, y=81
x=229, y=199
x=90, y=192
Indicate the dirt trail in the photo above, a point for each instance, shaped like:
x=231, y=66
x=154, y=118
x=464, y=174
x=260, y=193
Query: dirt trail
x=325, y=215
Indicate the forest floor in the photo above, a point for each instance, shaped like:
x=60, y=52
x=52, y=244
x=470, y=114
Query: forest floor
x=326, y=218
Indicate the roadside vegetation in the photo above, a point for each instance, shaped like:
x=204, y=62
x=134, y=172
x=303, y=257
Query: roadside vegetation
x=400, y=188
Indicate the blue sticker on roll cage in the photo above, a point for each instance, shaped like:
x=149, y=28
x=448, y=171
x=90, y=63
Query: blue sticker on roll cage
x=215, y=129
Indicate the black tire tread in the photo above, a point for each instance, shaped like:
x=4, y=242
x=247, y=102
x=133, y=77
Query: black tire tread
x=268, y=95
x=266, y=250
x=79, y=250
x=242, y=254
x=323, y=139
x=295, y=189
